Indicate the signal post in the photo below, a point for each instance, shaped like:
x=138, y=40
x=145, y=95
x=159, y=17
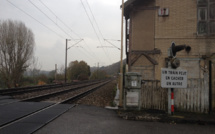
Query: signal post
x=172, y=77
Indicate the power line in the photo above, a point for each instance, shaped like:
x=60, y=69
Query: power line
x=59, y=19
x=98, y=25
x=68, y=28
x=99, y=28
x=90, y=21
x=106, y=46
x=93, y=54
x=112, y=39
x=85, y=52
x=95, y=19
x=50, y=19
x=94, y=29
x=112, y=44
x=75, y=44
x=35, y=19
x=49, y=28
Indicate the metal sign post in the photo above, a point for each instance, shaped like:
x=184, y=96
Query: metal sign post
x=172, y=78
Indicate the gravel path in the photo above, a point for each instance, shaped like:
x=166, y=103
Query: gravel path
x=102, y=97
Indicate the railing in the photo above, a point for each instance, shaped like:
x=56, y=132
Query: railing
x=153, y=96
x=195, y=98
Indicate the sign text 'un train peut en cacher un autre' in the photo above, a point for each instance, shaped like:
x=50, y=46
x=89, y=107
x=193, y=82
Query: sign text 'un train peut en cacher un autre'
x=171, y=78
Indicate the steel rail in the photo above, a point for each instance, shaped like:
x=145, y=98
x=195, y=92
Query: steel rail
x=43, y=96
x=53, y=93
x=83, y=94
x=17, y=91
x=71, y=99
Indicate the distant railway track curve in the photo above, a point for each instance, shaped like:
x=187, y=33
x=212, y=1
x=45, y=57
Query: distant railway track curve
x=54, y=93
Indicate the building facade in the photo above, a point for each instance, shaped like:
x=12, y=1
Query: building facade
x=151, y=27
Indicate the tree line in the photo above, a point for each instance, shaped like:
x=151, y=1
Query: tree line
x=16, y=50
x=19, y=66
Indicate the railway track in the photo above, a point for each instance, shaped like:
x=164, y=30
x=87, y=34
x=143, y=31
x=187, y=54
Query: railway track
x=49, y=104
x=17, y=91
x=40, y=92
x=60, y=95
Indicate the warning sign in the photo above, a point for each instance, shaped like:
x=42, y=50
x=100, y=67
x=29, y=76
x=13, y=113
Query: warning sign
x=171, y=78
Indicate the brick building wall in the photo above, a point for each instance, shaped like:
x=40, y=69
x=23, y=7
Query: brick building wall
x=149, y=32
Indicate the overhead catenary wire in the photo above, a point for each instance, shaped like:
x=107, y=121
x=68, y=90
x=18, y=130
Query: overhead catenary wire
x=29, y=15
x=98, y=26
x=94, y=19
x=55, y=23
x=94, y=56
x=35, y=19
x=84, y=52
x=75, y=44
x=94, y=29
x=64, y=23
x=112, y=44
x=50, y=19
x=91, y=53
x=106, y=46
x=59, y=19
x=112, y=39
x=100, y=30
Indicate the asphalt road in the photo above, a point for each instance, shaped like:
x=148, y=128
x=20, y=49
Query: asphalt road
x=95, y=120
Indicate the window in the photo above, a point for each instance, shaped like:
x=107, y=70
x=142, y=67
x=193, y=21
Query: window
x=128, y=26
x=202, y=20
x=206, y=17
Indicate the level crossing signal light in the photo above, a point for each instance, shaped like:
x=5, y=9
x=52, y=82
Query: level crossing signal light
x=174, y=49
x=175, y=63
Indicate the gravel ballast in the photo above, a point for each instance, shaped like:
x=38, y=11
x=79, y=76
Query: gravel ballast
x=102, y=97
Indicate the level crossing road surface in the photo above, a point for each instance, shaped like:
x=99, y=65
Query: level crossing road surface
x=6, y=99
x=84, y=119
x=31, y=117
x=27, y=117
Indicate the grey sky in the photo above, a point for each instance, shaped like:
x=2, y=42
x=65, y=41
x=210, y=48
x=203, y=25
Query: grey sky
x=50, y=47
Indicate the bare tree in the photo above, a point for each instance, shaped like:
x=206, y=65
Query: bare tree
x=16, y=50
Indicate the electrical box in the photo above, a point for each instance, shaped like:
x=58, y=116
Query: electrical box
x=132, y=90
x=132, y=80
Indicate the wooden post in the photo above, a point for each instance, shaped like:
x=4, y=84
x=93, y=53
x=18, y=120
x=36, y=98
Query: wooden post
x=121, y=64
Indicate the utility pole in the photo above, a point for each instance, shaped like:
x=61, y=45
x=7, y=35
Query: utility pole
x=66, y=60
x=55, y=72
x=66, y=55
x=98, y=71
x=121, y=63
